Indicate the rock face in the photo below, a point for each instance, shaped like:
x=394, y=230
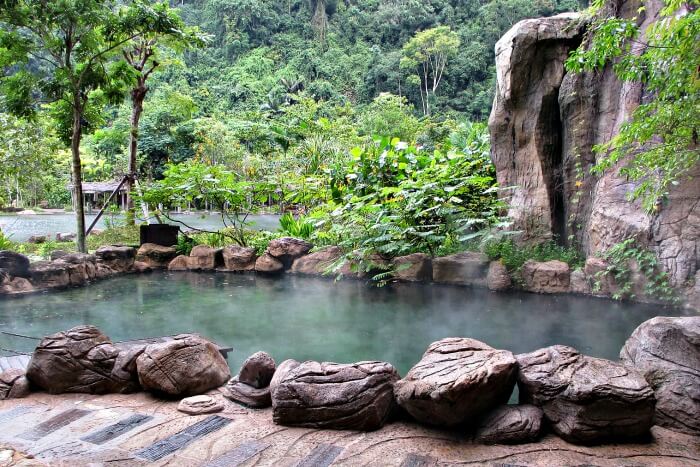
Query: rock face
x=357, y=396
x=186, y=366
x=257, y=370
x=498, y=277
x=14, y=264
x=417, y=267
x=461, y=269
x=200, y=405
x=317, y=263
x=238, y=258
x=268, y=264
x=585, y=399
x=287, y=249
x=543, y=125
x=156, y=256
x=13, y=384
x=666, y=351
x=511, y=424
x=81, y=359
x=548, y=277
x=456, y=381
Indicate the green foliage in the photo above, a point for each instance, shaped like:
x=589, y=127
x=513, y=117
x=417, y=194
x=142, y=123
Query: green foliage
x=5, y=242
x=121, y=235
x=185, y=244
x=659, y=144
x=298, y=228
x=625, y=257
x=513, y=254
x=261, y=239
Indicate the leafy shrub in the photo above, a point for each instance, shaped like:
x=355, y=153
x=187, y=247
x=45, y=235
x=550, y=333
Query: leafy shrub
x=298, y=228
x=5, y=242
x=261, y=239
x=185, y=244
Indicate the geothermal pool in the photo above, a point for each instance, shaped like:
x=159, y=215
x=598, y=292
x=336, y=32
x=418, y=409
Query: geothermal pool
x=21, y=227
x=319, y=319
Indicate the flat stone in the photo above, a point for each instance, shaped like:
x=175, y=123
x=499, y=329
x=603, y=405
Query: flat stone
x=461, y=269
x=357, y=396
x=269, y=264
x=585, y=399
x=199, y=405
x=156, y=256
x=511, y=424
x=417, y=267
x=546, y=277
x=458, y=380
x=188, y=365
x=238, y=258
x=498, y=278
x=257, y=370
x=666, y=351
x=257, y=398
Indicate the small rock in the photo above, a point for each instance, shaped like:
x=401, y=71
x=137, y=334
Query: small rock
x=257, y=398
x=67, y=237
x=257, y=370
x=417, y=267
x=498, y=278
x=155, y=256
x=586, y=400
x=269, y=264
x=546, y=277
x=511, y=424
x=199, y=405
x=457, y=380
x=461, y=269
x=13, y=384
x=37, y=239
x=238, y=258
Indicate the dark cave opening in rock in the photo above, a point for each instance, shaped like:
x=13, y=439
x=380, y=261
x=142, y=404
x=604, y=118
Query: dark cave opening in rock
x=552, y=163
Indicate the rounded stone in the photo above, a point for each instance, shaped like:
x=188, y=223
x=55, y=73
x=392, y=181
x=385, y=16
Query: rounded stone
x=199, y=405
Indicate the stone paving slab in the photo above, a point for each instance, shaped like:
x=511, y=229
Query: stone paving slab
x=128, y=425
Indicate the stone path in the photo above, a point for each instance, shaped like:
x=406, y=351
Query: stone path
x=133, y=430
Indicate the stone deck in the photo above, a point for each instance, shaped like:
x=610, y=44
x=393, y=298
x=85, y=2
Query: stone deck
x=137, y=429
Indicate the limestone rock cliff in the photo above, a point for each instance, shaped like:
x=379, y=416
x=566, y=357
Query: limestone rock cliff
x=543, y=125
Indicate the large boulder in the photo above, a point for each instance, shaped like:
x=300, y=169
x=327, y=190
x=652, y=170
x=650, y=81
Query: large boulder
x=116, y=257
x=511, y=424
x=50, y=274
x=188, y=365
x=417, y=267
x=317, y=263
x=81, y=359
x=666, y=351
x=458, y=380
x=205, y=258
x=156, y=256
x=585, y=399
x=13, y=384
x=546, y=277
x=268, y=264
x=461, y=269
x=357, y=396
x=14, y=264
x=238, y=258
x=257, y=370
x=287, y=249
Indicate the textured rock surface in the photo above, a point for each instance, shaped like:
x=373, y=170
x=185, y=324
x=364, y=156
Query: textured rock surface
x=200, y=405
x=498, y=277
x=287, y=249
x=16, y=285
x=188, y=365
x=546, y=277
x=543, y=125
x=156, y=256
x=13, y=384
x=268, y=264
x=586, y=399
x=461, y=269
x=118, y=258
x=666, y=351
x=205, y=258
x=579, y=282
x=14, y=264
x=317, y=263
x=257, y=370
x=511, y=424
x=49, y=275
x=456, y=381
x=81, y=359
x=247, y=395
x=238, y=258
x=180, y=263
x=417, y=267
x=356, y=396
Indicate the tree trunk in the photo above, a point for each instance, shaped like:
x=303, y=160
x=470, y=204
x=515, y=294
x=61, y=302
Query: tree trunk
x=78, y=178
x=138, y=94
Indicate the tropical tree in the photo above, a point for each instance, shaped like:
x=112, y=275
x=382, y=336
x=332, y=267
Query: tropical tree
x=427, y=54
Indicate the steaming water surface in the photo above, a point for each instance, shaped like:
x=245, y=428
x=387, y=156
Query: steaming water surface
x=315, y=318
